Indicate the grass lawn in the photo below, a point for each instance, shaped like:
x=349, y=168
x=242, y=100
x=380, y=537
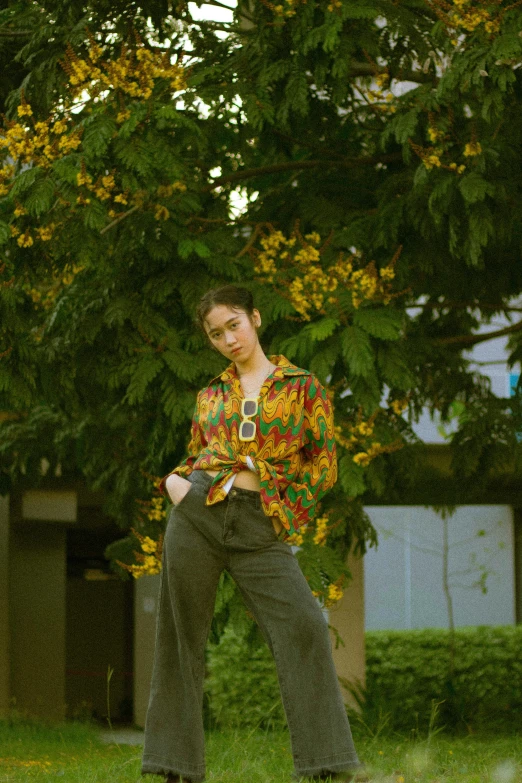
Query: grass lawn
x=73, y=753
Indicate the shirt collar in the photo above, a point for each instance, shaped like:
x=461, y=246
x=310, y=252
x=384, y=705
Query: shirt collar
x=284, y=368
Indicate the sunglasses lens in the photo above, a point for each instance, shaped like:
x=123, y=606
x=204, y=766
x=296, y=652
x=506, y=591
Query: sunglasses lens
x=249, y=408
x=247, y=430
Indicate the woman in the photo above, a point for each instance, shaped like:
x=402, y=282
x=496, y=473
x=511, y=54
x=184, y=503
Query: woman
x=262, y=453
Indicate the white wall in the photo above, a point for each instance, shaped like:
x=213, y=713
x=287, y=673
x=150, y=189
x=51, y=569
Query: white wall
x=403, y=578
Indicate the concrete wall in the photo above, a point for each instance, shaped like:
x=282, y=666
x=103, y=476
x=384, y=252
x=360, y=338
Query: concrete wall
x=145, y=610
x=404, y=584
x=347, y=617
x=37, y=618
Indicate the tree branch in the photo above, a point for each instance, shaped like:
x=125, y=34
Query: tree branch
x=296, y=165
x=473, y=339
x=6, y=33
x=463, y=306
x=119, y=219
x=367, y=69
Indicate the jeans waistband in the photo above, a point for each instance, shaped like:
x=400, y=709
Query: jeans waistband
x=203, y=479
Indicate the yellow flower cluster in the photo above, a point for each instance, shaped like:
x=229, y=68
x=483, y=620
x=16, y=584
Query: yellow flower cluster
x=300, y=275
x=472, y=148
x=165, y=191
x=359, y=439
x=334, y=594
x=321, y=530
x=431, y=157
x=296, y=539
x=399, y=406
x=286, y=9
x=134, y=73
x=156, y=512
x=149, y=559
x=468, y=15
x=46, y=294
x=379, y=100
x=330, y=594
x=39, y=144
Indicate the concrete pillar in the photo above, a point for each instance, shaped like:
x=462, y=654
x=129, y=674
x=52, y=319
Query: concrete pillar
x=145, y=611
x=347, y=617
x=37, y=619
x=4, y=607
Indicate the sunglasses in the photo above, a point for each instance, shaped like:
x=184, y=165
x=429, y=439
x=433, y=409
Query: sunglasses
x=247, y=429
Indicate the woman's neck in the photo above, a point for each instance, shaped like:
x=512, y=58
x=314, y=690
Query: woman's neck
x=254, y=365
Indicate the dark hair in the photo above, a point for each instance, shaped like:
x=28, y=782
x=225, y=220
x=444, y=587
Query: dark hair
x=234, y=296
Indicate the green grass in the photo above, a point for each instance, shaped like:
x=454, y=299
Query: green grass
x=73, y=753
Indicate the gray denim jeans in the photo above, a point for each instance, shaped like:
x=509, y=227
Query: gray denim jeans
x=236, y=535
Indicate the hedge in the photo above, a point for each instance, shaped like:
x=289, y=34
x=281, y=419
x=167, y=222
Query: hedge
x=407, y=672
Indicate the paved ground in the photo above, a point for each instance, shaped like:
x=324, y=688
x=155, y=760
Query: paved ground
x=122, y=736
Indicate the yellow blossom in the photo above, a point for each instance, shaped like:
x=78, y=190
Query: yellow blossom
x=45, y=233
x=362, y=458
x=24, y=110
x=321, y=534
x=120, y=199
x=148, y=545
x=431, y=161
x=19, y=210
x=82, y=178
x=25, y=239
x=472, y=148
x=334, y=593
x=161, y=212
x=60, y=126
x=399, y=406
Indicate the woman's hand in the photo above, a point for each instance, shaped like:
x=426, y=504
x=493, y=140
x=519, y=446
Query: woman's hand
x=278, y=525
x=177, y=487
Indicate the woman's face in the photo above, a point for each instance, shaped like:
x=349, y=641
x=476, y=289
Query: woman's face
x=232, y=332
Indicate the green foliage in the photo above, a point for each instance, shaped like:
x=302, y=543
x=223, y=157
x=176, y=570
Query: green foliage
x=241, y=684
x=407, y=670
x=96, y=323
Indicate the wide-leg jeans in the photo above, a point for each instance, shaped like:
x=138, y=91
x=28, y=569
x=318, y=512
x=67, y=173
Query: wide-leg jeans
x=236, y=535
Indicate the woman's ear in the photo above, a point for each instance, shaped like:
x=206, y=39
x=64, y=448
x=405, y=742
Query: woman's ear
x=256, y=318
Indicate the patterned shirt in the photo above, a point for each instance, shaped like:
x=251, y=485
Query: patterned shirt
x=294, y=447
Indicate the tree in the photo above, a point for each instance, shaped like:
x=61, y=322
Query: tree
x=127, y=144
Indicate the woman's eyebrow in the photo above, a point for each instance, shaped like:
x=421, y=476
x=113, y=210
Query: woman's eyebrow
x=217, y=328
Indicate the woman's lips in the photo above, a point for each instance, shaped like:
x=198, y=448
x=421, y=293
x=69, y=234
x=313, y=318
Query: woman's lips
x=235, y=350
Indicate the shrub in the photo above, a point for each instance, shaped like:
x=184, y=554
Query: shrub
x=407, y=670
x=241, y=686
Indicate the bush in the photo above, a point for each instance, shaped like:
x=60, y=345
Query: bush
x=407, y=670
x=241, y=686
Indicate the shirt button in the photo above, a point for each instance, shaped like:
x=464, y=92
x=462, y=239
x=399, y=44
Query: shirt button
x=233, y=492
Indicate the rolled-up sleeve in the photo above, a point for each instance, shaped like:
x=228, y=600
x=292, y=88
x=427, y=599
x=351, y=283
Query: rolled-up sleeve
x=197, y=442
